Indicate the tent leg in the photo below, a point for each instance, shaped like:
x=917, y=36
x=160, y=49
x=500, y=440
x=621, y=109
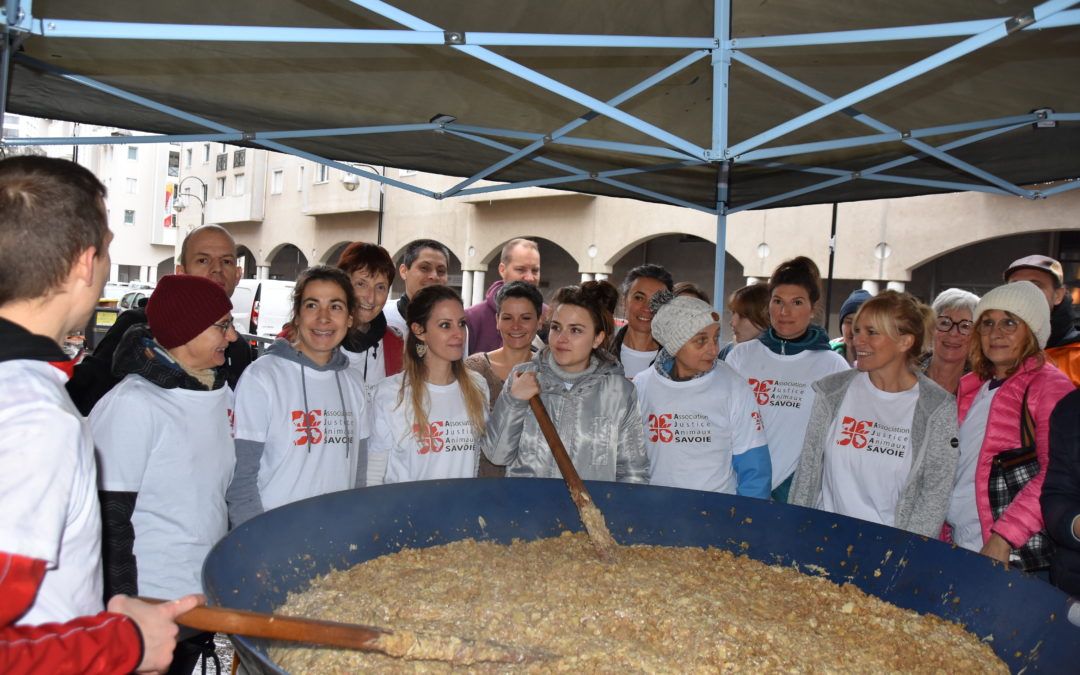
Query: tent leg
x=721, y=257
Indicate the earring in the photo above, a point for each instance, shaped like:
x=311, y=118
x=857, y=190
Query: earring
x=421, y=349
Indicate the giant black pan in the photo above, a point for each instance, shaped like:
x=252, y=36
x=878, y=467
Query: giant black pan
x=260, y=562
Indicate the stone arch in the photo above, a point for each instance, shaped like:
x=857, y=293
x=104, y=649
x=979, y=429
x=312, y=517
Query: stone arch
x=333, y=253
x=286, y=262
x=245, y=257
x=166, y=266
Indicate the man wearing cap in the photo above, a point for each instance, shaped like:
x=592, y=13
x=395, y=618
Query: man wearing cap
x=847, y=319
x=208, y=251
x=165, y=448
x=54, y=260
x=1064, y=343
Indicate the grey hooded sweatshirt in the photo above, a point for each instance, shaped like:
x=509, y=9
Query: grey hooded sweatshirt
x=924, y=500
x=243, y=496
x=595, y=412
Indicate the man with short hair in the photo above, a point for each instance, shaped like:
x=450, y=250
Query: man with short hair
x=54, y=261
x=520, y=261
x=1064, y=343
x=207, y=251
x=425, y=262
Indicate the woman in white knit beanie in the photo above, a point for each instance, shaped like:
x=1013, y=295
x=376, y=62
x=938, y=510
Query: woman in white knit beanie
x=703, y=429
x=1004, y=407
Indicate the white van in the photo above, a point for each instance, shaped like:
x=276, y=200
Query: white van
x=262, y=307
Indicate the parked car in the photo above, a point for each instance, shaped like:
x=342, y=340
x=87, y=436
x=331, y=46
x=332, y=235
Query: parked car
x=262, y=307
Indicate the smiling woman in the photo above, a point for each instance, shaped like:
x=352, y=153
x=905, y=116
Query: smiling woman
x=427, y=417
x=301, y=415
x=881, y=441
x=374, y=349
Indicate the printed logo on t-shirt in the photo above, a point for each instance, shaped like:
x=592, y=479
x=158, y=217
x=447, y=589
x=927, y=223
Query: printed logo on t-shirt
x=444, y=436
x=231, y=414
x=679, y=428
x=432, y=441
x=778, y=393
x=761, y=390
x=307, y=426
x=854, y=432
x=756, y=417
x=320, y=426
x=873, y=437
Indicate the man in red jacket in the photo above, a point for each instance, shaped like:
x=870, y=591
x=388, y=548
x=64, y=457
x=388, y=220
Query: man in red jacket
x=54, y=260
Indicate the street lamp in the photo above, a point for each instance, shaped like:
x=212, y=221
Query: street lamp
x=350, y=181
x=179, y=203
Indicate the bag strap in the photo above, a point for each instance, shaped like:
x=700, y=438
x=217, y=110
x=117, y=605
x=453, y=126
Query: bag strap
x=1027, y=423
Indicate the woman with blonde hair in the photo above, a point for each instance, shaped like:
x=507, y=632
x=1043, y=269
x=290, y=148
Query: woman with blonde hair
x=593, y=405
x=881, y=441
x=1005, y=404
x=427, y=417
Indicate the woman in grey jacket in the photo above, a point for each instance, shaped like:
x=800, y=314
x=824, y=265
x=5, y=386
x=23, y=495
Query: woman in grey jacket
x=882, y=440
x=593, y=405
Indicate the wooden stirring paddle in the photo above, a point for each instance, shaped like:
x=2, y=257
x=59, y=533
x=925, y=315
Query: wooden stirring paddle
x=591, y=517
x=401, y=644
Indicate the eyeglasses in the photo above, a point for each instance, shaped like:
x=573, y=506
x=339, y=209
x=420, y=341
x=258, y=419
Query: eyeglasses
x=1008, y=326
x=945, y=324
x=224, y=325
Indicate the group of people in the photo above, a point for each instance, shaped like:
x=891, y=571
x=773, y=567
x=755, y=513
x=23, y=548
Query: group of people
x=950, y=421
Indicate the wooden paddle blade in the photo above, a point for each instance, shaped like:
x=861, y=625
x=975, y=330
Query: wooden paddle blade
x=590, y=514
x=401, y=644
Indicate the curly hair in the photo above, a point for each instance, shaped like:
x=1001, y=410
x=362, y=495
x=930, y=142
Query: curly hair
x=599, y=299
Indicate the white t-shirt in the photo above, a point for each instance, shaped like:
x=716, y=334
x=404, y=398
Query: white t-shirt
x=48, y=491
x=781, y=385
x=307, y=452
x=393, y=316
x=868, y=452
x=174, y=447
x=694, y=428
x=368, y=366
x=634, y=361
x=448, y=448
x=963, y=514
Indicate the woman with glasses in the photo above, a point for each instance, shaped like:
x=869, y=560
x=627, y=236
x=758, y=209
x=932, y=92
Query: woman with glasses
x=301, y=412
x=880, y=444
x=954, y=326
x=165, y=449
x=1004, y=410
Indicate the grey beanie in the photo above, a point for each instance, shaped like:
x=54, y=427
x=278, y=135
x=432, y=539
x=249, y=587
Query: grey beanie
x=676, y=319
x=1022, y=299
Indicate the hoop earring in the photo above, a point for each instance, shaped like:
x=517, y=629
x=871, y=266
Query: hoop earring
x=421, y=349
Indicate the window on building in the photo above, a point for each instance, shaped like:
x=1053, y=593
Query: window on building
x=205, y=192
x=220, y=183
x=127, y=273
x=238, y=158
x=174, y=163
x=239, y=184
x=206, y=153
x=133, y=152
x=277, y=181
x=132, y=185
x=222, y=162
x=129, y=217
x=300, y=179
x=322, y=173
x=187, y=157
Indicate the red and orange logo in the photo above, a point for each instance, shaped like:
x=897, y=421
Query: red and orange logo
x=660, y=428
x=307, y=426
x=432, y=441
x=855, y=432
x=762, y=389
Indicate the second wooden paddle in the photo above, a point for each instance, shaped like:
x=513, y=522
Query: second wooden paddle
x=590, y=514
x=401, y=644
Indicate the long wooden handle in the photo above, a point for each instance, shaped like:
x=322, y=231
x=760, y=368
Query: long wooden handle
x=590, y=514
x=401, y=644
